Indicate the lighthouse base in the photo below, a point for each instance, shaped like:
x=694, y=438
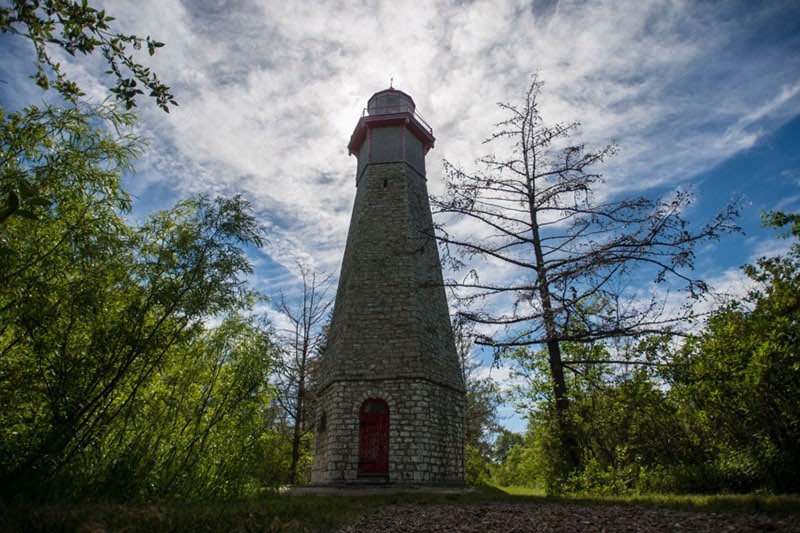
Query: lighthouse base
x=418, y=439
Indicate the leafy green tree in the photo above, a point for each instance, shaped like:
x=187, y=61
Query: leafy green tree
x=482, y=401
x=506, y=440
x=519, y=468
x=203, y=426
x=91, y=309
x=628, y=429
x=739, y=380
x=111, y=382
x=49, y=269
x=51, y=155
x=78, y=28
x=630, y=436
x=508, y=457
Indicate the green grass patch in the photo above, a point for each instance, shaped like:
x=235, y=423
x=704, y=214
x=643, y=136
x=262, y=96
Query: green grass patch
x=780, y=504
x=294, y=513
x=269, y=513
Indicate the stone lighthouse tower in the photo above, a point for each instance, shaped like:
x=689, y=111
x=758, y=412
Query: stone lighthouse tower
x=391, y=395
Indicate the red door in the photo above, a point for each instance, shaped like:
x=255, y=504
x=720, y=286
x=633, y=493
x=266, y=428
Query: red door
x=373, y=441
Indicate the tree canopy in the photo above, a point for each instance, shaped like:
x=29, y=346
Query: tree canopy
x=108, y=371
x=78, y=28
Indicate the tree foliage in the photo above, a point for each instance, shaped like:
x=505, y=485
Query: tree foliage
x=741, y=376
x=78, y=28
x=107, y=370
x=719, y=413
x=631, y=433
x=52, y=158
x=482, y=400
x=201, y=427
x=112, y=382
x=483, y=396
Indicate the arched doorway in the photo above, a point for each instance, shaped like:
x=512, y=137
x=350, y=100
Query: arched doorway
x=373, y=437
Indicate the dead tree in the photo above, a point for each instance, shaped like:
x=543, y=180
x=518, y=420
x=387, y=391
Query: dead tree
x=301, y=340
x=574, y=259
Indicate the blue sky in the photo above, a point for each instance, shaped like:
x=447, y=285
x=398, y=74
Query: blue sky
x=702, y=95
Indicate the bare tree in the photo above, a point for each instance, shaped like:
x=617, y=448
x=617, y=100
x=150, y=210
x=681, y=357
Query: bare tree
x=483, y=397
x=301, y=341
x=576, y=256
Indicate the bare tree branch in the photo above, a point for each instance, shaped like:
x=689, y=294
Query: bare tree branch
x=570, y=262
x=307, y=316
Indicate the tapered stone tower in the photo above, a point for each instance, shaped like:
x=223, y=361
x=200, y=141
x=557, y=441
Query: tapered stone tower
x=391, y=395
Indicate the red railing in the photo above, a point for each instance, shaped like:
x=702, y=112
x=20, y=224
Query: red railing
x=396, y=110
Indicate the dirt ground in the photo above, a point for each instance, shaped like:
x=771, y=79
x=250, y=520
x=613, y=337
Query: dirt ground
x=487, y=517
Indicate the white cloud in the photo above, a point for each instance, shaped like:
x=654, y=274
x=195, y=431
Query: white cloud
x=269, y=93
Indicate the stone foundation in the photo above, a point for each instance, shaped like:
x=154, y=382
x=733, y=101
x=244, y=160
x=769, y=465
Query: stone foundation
x=426, y=431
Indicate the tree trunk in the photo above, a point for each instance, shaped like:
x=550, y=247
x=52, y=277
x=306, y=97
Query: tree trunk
x=298, y=427
x=569, y=451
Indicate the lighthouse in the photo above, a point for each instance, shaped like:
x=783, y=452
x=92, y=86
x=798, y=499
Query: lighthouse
x=390, y=397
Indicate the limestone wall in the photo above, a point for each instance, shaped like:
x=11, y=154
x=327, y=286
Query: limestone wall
x=390, y=336
x=390, y=318
x=426, y=431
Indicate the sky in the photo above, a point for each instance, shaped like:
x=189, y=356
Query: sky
x=699, y=95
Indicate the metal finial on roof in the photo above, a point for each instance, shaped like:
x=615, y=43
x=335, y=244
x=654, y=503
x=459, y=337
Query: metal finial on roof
x=391, y=82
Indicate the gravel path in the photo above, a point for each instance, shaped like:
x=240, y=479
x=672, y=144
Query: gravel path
x=486, y=517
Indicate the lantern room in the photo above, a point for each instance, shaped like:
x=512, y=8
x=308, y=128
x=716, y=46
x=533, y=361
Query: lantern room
x=390, y=102
x=390, y=129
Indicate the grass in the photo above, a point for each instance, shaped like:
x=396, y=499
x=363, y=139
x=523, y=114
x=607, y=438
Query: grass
x=274, y=512
x=712, y=503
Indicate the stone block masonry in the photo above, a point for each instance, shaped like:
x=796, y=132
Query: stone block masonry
x=425, y=432
x=391, y=343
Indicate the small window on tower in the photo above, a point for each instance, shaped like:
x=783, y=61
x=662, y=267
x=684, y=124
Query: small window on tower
x=323, y=421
